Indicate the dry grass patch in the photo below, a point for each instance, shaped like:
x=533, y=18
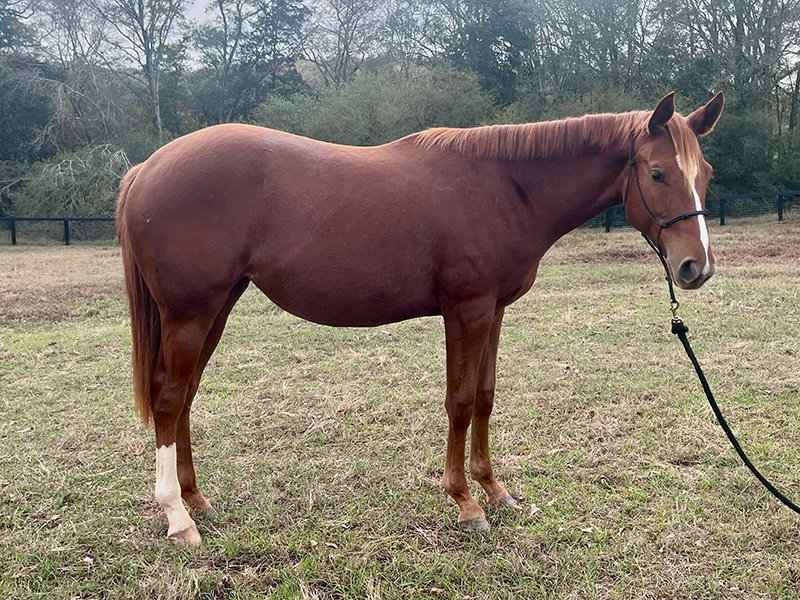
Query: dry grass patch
x=45, y=284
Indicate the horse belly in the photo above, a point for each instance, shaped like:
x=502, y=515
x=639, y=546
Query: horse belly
x=332, y=293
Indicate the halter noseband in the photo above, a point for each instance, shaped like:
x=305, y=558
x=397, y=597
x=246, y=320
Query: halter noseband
x=661, y=224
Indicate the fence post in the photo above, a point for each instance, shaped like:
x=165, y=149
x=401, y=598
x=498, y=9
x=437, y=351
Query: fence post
x=722, y=211
x=66, y=232
x=13, y=232
x=608, y=220
x=780, y=207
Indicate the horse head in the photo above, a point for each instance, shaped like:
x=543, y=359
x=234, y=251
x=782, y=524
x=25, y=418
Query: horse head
x=665, y=189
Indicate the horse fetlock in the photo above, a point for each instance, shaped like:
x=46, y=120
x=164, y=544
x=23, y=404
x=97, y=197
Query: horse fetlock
x=195, y=501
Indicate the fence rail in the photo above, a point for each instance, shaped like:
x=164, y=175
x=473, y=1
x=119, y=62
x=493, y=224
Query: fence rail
x=722, y=208
x=68, y=230
x=46, y=230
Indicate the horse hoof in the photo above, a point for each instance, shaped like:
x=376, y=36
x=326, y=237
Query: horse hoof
x=479, y=524
x=186, y=537
x=208, y=514
x=508, y=501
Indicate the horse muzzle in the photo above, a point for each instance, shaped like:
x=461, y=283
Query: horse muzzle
x=692, y=273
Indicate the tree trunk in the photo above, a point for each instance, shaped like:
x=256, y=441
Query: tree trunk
x=795, y=94
x=155, y=97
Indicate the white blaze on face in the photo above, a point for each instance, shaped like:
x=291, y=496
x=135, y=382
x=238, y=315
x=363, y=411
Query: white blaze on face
x=691, y=178
x=168, y=489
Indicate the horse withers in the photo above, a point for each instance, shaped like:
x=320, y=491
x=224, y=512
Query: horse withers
x=449, y=222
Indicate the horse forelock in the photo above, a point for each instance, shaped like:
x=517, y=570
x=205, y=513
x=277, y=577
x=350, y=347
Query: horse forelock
x=687, y=149
x=572, y=136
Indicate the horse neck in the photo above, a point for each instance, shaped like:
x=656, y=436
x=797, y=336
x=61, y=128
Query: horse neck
x=565, y=192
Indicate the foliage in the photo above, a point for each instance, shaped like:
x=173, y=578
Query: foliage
x=82, y=183
x=140, y=33
x=12, y=180
x=248, y=50
x=787, y=165
x=10, y=26
x=343, y=34
x=491, y=39
x=78, y=74
x=24, y=109
x=379, y=107
x=559, y=106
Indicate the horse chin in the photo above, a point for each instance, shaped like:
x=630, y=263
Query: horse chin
x=694, y=285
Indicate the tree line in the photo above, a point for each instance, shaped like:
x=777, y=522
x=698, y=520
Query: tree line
x=88, y=87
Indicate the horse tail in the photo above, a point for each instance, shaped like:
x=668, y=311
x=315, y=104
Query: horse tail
x=145, y=318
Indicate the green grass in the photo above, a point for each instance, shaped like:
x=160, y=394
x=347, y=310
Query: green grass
x=322, y=448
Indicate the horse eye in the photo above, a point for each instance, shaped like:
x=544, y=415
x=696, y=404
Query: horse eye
x=657, y=176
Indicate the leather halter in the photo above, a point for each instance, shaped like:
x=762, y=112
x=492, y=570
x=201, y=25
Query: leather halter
x=661, y=224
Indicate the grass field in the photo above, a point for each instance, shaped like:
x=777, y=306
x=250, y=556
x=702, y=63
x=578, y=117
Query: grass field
x=322, y=448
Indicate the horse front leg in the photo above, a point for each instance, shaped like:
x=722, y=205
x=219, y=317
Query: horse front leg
x=480, y=466
x=467, y=328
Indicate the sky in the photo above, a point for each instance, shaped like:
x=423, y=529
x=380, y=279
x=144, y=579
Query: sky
x=195, y=9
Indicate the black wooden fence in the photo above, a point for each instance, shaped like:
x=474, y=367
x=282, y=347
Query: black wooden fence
x=722, y=208
x=48, y=230
x=41, y=230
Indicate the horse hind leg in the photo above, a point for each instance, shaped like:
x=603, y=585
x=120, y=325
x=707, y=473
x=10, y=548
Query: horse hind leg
x=197, y=503
x=182, y=342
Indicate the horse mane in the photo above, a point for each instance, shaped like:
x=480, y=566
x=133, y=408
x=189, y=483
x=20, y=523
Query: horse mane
x=572, y=136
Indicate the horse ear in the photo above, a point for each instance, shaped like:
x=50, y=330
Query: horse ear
x=702, y=120
x=662, y=113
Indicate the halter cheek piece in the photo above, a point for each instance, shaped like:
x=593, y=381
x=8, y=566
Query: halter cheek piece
x=661, y=224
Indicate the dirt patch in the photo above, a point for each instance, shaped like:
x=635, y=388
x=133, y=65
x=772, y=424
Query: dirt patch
x=775, y=243
x=43, y=284
x=39, y=313
x=592, y=247
x=54, y=293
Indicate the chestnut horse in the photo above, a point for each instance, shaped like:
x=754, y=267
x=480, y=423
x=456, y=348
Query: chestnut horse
x=449, y=222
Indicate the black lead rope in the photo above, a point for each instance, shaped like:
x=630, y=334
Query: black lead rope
x=680, y=329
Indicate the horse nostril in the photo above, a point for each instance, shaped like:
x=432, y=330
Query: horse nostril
x=688, y=271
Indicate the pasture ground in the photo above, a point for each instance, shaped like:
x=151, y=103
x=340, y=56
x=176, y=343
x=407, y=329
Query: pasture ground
x=322, y=448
